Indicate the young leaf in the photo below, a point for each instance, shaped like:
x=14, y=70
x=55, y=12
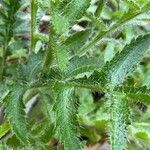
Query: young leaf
x=119, y=122
x=66, y=120
x=15, y=113
x=125, y=62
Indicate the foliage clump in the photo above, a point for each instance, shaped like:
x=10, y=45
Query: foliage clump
x=85, y=81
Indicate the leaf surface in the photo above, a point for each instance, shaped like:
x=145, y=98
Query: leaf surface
x=126, y=61
x=139, y=94
x=66, y=120
x=16, y=114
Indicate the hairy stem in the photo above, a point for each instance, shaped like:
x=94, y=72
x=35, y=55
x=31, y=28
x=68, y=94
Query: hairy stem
x=119, y=121
x=68, y=84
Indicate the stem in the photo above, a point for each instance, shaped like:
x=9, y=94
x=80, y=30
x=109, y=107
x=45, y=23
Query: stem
x=7, y=39
x=49, y=57
x=101, y=35
x=99, y=8
x=70, y=84
x=119, y=121
x=34, y=8
x=3, y=61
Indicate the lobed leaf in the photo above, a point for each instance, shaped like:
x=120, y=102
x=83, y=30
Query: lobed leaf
x=66, y=120
x=125, y=62
x=15, y=113
x=30, y=71
x=94, y=81
x=141, y=94
x=64, y=18
x=78, y=65
x=75, y=14
x=62, y=56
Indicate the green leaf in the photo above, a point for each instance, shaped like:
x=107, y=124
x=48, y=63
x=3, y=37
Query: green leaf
x=30, y=71
x=140, y=131
x=146, y=6
x=95, y=21
x=78, y=65
x=62, y=56
x=119, y=121
x=60, y=23
x=109, y=51
x=125, y=18
x=48, y=100
x=75, y=14
x=139, y=94
x=15, y=113
x=125, y=62
x=99, y=8
x=4, y=128
x=94, y=81
x=3, y=146
x=77, y=40
x=66, y=120
x=41, y=37
x=132, y=5
x=64, y=18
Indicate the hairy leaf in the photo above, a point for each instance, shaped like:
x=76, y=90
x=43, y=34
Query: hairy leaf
x=63, y=19
x=77, y=40
x=75, y=14
x=62, y=56
x=66, y=111
x=78, y=65
x=94, y=81
x=31, y=70
x=125, y=62
x=15, y=113
x=141, y=94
